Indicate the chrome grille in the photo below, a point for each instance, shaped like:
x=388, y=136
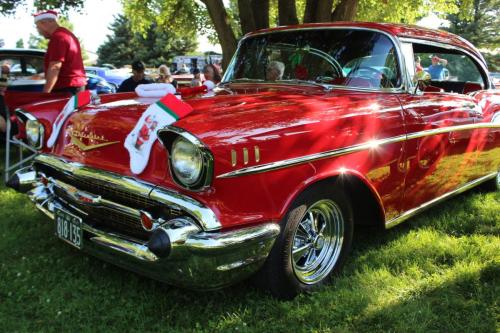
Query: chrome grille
x=105, y=217
x=99, y=188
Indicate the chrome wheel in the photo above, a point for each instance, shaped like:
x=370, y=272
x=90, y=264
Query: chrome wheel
x=317, y=242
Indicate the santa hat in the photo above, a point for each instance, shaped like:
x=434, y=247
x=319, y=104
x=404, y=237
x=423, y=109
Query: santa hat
x=46, y=15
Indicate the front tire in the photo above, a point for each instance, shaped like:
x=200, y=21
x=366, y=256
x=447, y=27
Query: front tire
x=316, y=236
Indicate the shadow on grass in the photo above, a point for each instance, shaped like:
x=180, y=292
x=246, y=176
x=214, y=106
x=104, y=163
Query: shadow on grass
x=436, y=272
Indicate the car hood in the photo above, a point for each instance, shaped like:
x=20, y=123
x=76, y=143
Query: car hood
x=95, y=135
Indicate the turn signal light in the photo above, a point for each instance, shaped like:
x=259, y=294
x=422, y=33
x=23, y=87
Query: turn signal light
x=147, y=221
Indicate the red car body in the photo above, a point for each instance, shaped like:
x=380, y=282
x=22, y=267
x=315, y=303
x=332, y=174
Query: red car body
x=396, y=151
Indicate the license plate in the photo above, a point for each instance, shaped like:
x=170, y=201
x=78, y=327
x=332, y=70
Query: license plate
x=69, y=228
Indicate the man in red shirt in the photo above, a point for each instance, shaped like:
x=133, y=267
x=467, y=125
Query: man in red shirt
x=64, y=71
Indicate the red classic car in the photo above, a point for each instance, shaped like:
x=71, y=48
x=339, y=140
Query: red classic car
x=314, y=130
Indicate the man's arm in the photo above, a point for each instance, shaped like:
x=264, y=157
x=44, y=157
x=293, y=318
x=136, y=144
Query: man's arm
x=52, y=75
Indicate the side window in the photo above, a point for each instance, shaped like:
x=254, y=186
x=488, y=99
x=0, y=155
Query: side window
x=34, y=65
x=14, y=64
x=23, y=66
x=449, y=69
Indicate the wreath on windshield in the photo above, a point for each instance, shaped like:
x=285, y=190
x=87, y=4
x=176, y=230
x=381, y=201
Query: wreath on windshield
x=296, y=59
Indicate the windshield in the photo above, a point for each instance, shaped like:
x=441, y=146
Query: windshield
x=345, y=57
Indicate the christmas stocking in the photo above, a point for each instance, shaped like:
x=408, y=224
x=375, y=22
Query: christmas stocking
x=139, y=142
x=78, y=100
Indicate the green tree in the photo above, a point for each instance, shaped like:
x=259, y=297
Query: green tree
x=229, y=20
x=478, y=22
x=9, y=7
x=157, y=46
x=20, y=43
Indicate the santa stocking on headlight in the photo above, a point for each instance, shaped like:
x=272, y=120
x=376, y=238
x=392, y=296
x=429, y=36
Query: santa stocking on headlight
x=140, y=140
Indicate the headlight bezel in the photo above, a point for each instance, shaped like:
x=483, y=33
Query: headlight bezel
x=27, y=118
x=168, y=136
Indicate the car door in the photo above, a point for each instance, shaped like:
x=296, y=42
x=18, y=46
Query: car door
x=441, y=150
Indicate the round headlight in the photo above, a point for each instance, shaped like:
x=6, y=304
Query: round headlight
x=187, y=161
x=34, y=133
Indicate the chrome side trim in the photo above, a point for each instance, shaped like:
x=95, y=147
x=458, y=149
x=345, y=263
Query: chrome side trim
x=459, y=128
x=203, y=215
x=308, y=158
x=412, y=212
x=353, y=149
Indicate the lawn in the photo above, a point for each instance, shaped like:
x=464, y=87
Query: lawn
x=438, y=272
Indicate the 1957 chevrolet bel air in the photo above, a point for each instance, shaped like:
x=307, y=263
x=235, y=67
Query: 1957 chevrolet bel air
x=314, y=130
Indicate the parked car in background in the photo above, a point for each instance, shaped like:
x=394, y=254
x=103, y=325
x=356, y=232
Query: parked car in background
x=26, y=68
x=99, y=85
x=109, y=66
x=314, y=131
x=115, y=77
x=27, y=74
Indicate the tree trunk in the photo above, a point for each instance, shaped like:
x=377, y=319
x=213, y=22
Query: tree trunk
x=254, y=15
x=318, y=11
x=225, y=33
x=261, y=6
x=287, y=12
x=345, y=10
x=247, y=17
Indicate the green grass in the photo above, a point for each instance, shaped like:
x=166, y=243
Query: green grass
x=439, y=272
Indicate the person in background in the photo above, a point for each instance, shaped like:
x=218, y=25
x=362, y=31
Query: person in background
x=183, y=70
x=275, y=70
x=418, y=66
x=212, y=73
x=196, y=81
x=136, y=79
x=4, y=75
x=437, y=69
x=164, y=76
x=63, y=63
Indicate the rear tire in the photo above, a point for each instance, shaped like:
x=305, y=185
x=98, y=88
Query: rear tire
x=315, y=238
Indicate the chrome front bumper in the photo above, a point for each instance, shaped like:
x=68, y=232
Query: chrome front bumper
x=196, y=258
